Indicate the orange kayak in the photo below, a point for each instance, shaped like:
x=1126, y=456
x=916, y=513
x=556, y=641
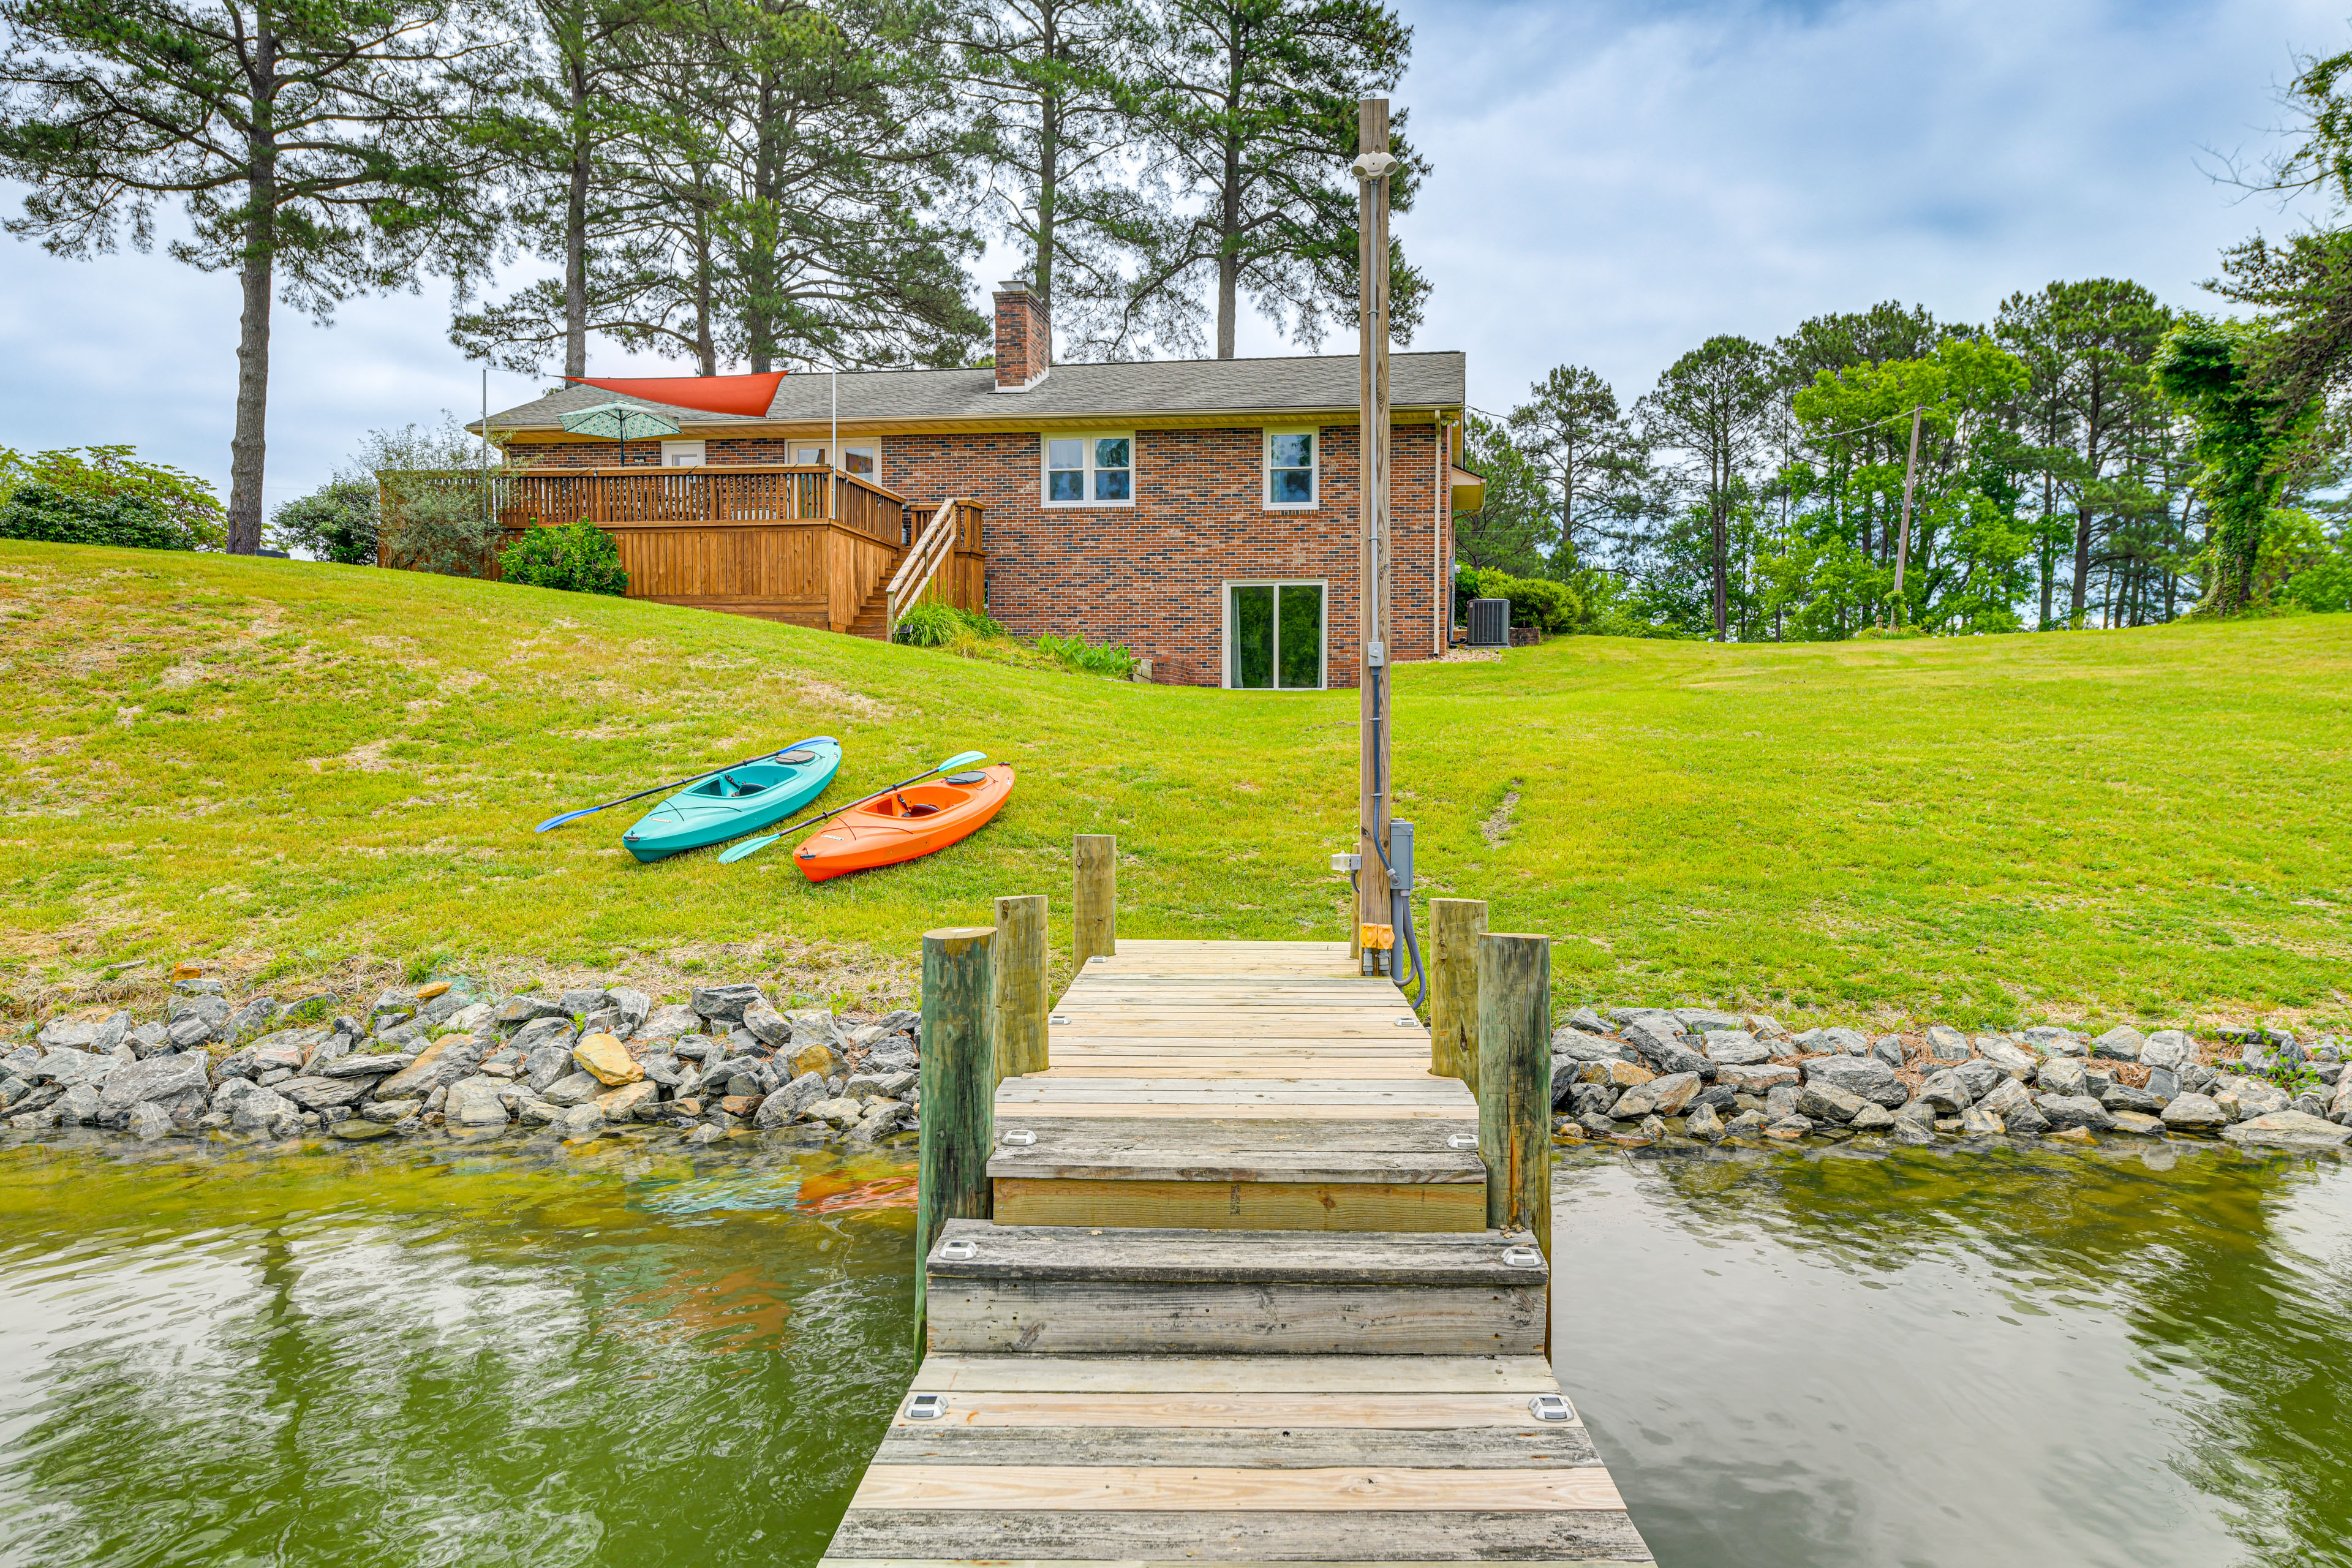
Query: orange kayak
x=906, y=824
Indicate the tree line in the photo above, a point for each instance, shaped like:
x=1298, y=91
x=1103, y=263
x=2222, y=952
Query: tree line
x=2090, y=457
x=732, y=183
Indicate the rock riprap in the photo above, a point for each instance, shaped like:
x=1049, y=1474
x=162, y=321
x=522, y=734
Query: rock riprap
x=1616, y=1070
x=444, y=1057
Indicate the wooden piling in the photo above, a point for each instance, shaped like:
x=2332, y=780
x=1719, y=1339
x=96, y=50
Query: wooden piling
x=1017, y=964
x=1515, y=1082
x=1455, y=927
x=959, y=1084
x=1094, y=902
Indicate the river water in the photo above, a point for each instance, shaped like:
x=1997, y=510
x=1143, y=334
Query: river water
x=400, y=1357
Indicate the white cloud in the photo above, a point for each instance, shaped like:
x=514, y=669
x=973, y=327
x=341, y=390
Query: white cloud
x=1615, y=182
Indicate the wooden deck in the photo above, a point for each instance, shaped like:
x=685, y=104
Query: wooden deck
x=1237, y=1304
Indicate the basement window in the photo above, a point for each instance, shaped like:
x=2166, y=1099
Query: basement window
x=1089, y=470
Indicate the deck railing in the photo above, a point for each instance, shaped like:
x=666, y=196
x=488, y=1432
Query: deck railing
x=715, y=493
x=952, y=526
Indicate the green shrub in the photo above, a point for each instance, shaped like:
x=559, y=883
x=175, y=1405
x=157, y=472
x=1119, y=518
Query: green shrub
x=1074, y=653
x=1537, y=602
x=184, y=503
x=436, y=523
x=38, y=511
x=929, y=623
x=578, y=556
x=336, y=523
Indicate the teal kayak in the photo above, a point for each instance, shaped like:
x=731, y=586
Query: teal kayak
x=736, y=801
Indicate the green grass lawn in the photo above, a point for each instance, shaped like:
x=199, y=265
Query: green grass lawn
x=328, y=774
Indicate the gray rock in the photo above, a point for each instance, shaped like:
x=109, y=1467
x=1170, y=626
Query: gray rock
x=1660, y=1097
x=1587, y=1021
x=541, y=1032
x=1790, y=1127
x=2136, y=1121
x=1735, y=1047
x=1945, y=1092
x=634, y=1006
x=1659, y=1017
x=2120, y=1044
x=2260, y=1097
x=147, y=1120
x=213, y=1010
x=482, y=1103
x=2168, y=1049
x=1827, y=1102
x=1889, y=1049
x=2025, y=1121
x=1704, y=1124
x=670, y=1021
x=188, y=1032
x=573, y=1089
x=579, y=1000
x=80, y=1106
x=1747, y=1124
x=1703, y=1020
x=1872, y=1118
x=549, y=1062
x=1763, y=1023
x=320, y=1093
x=66, y=1035
x=265, y=1110
x=113, y=1030
x=1780, y=1103
x=2047, y=1038
x=1976, y=1122
x=2122, y=1097
x=1978, y=1076
x=882, y=1118
x=2005, y=1097
x=1592, y=1099
x=1839, y=1038
x=786, y=1104
x=156, y=1079
x=1807, y=1042
x=1576, y=1045
x=878, y=1086
x=67, y=1068
x=574, y=1121
x=391, y=1111
x=517, y=1010
x=12, y=1091
x=1947, y=1043
x=2194, y=1113
x=2162, y=1084
x=1663, y=1051
x=21, y=1061
x=2063, y=1075
x=1916, y=1113
x=2074, y=1110
x=1865, y=1076
x=2014, y=1061
x=376, y=1064
x=255, y=1014
x=726, y=1004
x=2288, y=1130
x=769, y=1026
x=1598, y=1125
x=1911, y=1133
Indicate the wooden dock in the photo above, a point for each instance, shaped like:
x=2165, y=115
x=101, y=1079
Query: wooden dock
x=1237, y=1300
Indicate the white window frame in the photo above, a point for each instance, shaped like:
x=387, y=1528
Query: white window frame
x=807, y=456
x=872, y=451
x=1087, y=439
x=1265, y=471
x=692, y=450
x=1322, y=630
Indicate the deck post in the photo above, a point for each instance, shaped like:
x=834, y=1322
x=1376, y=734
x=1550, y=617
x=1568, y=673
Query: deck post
x=1515, y=1082
x=957, y=1116
x=1455, y=927
x=1020, y=1000
x=1093, y=904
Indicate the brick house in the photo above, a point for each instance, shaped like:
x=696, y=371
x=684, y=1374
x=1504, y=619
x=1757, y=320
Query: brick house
x=1201, y=512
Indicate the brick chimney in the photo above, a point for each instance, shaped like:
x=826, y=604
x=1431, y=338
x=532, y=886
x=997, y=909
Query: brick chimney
x=1025, y=338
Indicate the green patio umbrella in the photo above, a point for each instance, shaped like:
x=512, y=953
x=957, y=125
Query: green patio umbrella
x=622, y=422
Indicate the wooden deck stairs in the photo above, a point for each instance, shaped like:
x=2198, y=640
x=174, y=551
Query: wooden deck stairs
x=1237, y=1302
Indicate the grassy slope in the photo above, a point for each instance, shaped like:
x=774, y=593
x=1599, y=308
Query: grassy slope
x=313, y=771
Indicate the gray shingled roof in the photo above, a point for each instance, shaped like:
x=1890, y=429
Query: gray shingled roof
x=1160, y=386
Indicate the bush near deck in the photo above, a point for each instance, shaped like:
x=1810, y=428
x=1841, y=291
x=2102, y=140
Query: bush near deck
x=288, y=764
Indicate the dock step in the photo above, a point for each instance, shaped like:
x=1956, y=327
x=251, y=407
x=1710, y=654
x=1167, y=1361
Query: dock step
x=1065, y=1290
x=1150, y=1459
x=1225, y=1174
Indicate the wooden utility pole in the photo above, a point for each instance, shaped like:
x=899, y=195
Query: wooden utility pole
x=1372, y=641
x=1902, y=551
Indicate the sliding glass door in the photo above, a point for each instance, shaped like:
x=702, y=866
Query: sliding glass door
x=1274, y=636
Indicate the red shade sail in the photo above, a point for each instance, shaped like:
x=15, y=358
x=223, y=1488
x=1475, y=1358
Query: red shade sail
x=748, y=394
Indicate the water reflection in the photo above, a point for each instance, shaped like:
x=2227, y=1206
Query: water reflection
x=1934, y=1358
x=373, y=1358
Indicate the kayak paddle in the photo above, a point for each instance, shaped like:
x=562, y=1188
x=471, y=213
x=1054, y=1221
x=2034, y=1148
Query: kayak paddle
x=753, y=846
x=679, y=783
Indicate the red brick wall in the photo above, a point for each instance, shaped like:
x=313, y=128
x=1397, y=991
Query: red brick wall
x=1152, y=575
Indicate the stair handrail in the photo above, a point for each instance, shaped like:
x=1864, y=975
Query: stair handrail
x=929, y=552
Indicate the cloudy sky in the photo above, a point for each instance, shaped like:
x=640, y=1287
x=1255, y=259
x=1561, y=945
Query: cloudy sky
x=1615, y=182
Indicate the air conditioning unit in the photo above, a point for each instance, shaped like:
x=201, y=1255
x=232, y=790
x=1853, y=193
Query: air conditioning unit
x=1490, y=623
